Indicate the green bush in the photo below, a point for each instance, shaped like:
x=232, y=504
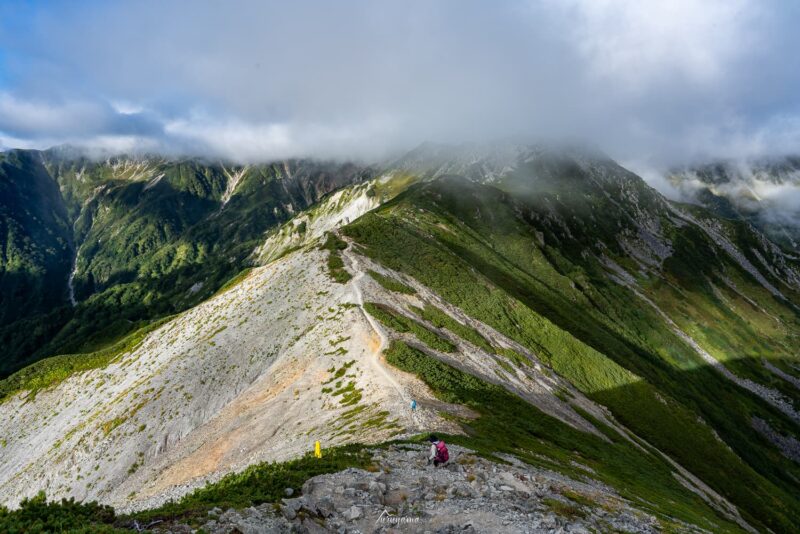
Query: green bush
x=258, y=484
x=333, y=243
x=570, y=511
x=400, y=323
x=513, y=356
x=236, y=280
x=335, y=263
x=390, y=283
x=440, y=319
x=36, y=515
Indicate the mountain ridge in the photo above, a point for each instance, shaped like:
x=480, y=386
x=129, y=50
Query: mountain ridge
x=556, y=309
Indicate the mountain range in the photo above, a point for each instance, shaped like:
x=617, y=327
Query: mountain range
x=169, y=323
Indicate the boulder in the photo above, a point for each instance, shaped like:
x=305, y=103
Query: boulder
x=353, y=513
x=324, y=506
x=461, y=489
x=395, y=497
x=292, y=506
x=376, y=491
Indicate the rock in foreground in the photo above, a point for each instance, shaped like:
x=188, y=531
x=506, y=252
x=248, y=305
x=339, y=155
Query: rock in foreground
x=401, y=493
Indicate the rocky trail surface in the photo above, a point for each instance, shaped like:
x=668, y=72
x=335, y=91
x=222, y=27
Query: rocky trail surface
x=402, y=493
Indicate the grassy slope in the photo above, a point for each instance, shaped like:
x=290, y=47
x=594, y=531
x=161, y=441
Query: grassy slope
x=400, y=323
x=589, y=330
x=508, y=424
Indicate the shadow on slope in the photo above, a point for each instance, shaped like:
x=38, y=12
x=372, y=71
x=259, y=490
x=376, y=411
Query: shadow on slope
x=679, y=404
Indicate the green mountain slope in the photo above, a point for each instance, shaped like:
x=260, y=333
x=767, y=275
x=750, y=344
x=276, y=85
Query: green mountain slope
x=36, y=253
x=532, y=257
x=149, y=237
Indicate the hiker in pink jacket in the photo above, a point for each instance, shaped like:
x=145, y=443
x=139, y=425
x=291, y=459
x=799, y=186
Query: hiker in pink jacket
x=439, y=454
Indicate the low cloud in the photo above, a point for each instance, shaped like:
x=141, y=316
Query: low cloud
x=767, y=188
x=653, y=82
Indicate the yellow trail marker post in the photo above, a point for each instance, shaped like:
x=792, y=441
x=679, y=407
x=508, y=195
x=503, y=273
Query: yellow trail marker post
x=317, y=450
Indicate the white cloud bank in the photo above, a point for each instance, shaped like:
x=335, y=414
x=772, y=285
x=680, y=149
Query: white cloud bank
x=655, y=81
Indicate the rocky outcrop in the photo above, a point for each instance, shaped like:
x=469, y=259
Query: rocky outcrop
x=401, y=492
x=788, y=445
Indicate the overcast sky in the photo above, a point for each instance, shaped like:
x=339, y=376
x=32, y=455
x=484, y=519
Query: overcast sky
x=658, y=81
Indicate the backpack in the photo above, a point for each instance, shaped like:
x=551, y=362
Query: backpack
x=441, y=452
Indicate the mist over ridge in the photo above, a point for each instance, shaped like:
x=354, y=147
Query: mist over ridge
x=662, y=84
